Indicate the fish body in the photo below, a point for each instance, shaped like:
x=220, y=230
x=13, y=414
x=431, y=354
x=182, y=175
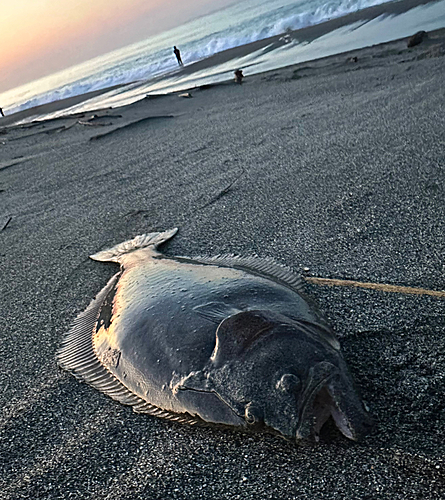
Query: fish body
x=225, y=340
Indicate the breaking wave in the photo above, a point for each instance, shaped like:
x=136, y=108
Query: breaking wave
x=204, y=37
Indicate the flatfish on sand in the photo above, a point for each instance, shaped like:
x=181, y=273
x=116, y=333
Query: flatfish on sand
x=224, y=340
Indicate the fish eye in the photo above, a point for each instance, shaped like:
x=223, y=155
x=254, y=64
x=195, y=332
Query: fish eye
x=289, y=383
x=252, y=414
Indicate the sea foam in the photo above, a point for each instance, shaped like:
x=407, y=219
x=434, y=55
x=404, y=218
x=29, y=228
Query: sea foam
x=239, y=24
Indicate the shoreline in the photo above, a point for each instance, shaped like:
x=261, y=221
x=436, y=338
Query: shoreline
x=309, y=33
x=50, y=107
x=306, y=34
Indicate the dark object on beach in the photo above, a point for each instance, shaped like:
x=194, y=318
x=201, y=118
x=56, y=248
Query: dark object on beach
x=225, y=340
x=223, y=192
x=5, y=225
x=130, y=125
x=1, y=111
x=178, y=55
x=206, y=86
x=239, y=76
x=417, y=38
x=353, y=59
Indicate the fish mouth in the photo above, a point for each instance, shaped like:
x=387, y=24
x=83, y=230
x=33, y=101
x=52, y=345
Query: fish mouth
x=312, y=415
x=327, y=396
x=324, y=407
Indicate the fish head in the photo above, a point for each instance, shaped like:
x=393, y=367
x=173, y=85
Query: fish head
x=284, y=374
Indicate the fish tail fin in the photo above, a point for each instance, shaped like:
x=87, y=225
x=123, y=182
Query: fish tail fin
x=117, y=253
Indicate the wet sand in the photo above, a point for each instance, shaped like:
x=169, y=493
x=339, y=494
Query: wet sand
x=309, y=33
x=333, y=167
x=233, y=57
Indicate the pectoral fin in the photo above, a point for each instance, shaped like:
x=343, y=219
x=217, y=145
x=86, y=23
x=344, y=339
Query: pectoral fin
x=216, y=311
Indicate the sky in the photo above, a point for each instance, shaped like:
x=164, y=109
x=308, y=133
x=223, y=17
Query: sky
x=40, y=37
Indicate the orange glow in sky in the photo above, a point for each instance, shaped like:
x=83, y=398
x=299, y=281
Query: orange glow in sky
x=39, y=37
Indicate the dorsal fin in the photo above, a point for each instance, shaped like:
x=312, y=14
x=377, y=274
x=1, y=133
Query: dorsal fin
x=118, y=252
x=266, y=267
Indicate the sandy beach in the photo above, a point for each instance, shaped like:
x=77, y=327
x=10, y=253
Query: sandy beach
x=333, y=167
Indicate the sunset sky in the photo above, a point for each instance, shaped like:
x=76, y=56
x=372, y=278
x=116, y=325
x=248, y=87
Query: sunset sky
x=40, y=37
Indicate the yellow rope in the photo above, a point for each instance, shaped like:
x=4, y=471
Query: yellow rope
x=376, y=286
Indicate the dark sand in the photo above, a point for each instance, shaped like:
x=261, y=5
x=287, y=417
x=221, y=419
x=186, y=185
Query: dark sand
x=339, y=167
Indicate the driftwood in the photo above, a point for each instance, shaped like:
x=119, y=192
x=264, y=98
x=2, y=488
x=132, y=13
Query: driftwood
x=129, y=125
x=382, y=287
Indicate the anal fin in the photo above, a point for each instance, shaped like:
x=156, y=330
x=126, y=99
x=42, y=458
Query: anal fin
x=77, y=356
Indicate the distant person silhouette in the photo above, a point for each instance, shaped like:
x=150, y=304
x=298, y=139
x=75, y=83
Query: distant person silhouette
x=178, y=55
x=1, y=111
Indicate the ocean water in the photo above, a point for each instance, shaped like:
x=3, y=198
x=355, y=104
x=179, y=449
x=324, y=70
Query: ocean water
x=239, y=24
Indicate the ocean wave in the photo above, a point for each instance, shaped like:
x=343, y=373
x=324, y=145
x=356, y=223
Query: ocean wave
x=276, y=23
x=138, y=62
